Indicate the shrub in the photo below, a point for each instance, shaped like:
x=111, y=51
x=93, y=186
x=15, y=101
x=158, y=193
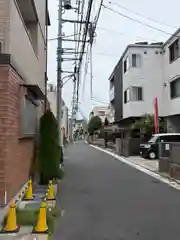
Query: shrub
x=49, y=152
x=146, y=127
x=94, y=124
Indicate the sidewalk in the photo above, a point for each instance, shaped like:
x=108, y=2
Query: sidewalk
x=151, y=165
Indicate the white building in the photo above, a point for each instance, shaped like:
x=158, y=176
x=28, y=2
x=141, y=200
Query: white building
x=100, y=111
x=52, y=98
x=146, y=71
x=171, y=81
x=142, y=79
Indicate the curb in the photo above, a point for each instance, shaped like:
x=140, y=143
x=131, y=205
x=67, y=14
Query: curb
x=169, y=181
x=17, y=198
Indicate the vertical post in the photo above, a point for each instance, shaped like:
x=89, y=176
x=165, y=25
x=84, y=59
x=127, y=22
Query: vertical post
x=73, y=106
x=156, y=117
x=59, y=68
x=46, y=51
x=91, y=73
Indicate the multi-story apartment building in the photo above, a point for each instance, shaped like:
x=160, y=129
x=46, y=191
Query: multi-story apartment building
x=171, y=81
x=22, y=79
x=144, y=72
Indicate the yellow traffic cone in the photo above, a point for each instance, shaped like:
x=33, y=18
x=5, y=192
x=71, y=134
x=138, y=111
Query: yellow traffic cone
x=41, y=225
x=50, y=183
x=50, y=195
x=11, y=224
x=29, y=195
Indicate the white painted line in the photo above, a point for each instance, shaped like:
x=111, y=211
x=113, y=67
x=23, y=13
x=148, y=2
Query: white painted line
x=157, y=176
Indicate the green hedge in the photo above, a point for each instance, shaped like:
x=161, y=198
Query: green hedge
x=49, y=153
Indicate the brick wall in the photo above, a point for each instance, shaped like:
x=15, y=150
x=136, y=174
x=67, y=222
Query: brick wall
x=15, y=153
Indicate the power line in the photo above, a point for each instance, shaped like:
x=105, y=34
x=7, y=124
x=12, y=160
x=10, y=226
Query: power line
x=106, y=54
x=85, y=71
x=84, y=41
x=124, y=34
x=141, y=15
x=136, y=20
x=99, y=101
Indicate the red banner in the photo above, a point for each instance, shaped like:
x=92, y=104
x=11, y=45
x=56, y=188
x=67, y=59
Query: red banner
x=156, y=122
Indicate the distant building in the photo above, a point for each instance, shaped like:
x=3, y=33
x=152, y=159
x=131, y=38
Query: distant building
x=100, y=111
x=52, y=98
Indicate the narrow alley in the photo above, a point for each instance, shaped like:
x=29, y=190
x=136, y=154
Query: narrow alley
x=104, y=199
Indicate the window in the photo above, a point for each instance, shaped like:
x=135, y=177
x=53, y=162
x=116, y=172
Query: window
x=101, y=113
x=133, y=94
x=175, y=88
x=132, y=61
x=126, y=64
x=136, y=60
x=128, y=95
x=29, y=116
x=136, y=94
x=174, y=51
x=125, y=96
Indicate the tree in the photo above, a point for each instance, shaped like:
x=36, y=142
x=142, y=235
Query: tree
x=106, y=122
x=49, y=152
x=94, y=124
x=146, y=126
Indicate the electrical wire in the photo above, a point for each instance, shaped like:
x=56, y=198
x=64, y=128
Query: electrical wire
x=99, y=101
x=85, y=72
x=137, y=21
x=97, y=17
x=78, y=44
x=84, y=41
x=123, y=34
x=70, y=77
x=141, y=15
x=91, y=72
x=106, y=54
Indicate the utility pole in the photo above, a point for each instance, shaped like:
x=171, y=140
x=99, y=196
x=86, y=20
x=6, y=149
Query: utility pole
x=59, y=69
x=46, y=51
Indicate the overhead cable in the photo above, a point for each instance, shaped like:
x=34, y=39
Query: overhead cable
x=141, y=15
x=136, y=20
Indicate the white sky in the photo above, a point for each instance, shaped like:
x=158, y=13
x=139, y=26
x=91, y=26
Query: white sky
x=111, y=43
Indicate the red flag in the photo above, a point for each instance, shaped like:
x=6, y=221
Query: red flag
x=156, y=122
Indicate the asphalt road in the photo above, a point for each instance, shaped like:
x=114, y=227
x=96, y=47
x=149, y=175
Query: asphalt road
x=104, y=199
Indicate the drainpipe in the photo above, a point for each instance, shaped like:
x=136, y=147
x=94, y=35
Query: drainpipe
x=5, y=197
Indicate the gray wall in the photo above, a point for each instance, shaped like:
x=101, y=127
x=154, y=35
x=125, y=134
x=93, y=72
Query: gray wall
x=118, y=91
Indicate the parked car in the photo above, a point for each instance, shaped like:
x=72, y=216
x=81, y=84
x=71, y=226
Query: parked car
x=151, y=148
